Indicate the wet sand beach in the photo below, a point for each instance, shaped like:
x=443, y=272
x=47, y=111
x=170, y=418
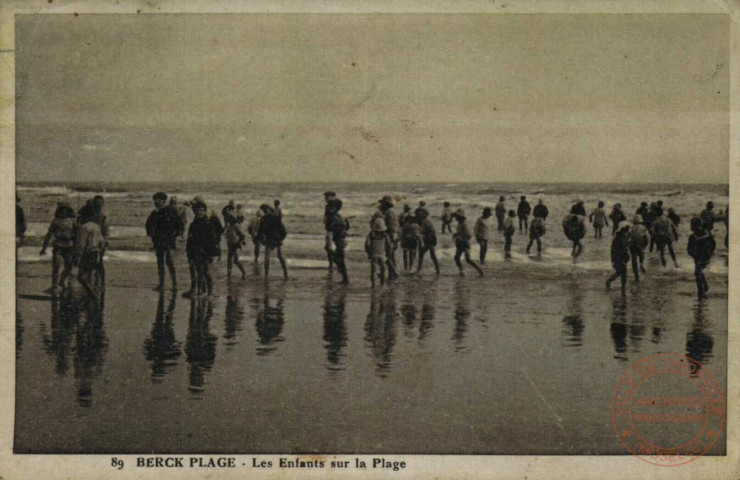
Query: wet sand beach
x=521, y=361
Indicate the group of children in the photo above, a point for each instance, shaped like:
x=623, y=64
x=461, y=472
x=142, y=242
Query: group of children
x=80, y=239
x=204, y=236
x=77, y=239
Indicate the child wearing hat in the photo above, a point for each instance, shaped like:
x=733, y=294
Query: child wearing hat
x=338, y=227
x=620, y=255
x=376, y=244
x=462, y=237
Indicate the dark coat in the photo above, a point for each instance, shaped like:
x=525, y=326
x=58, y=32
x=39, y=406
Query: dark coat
x=701, y=246
x=271, y=231
x=162, y=227
x=202, y=243
x=620, y=249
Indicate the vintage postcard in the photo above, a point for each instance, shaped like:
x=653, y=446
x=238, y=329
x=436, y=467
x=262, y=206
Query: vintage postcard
x=369, y=240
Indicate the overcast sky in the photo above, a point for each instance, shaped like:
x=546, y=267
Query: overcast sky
x=579, y=98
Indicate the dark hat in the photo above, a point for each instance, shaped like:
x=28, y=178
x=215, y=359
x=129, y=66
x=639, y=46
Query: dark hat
x=487, y=210
x=197, y=205
x=422, y=203
x=160, y=196
x=407, y=208
x=330, y=194
x=387, y=199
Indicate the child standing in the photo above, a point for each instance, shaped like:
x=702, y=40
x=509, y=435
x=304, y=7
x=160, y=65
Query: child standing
x=201, y=247
x=598, y=219
x=62, y=233
x=90, y=247
x=410, y=240
x=447, y=218
x=523, y=211
x=252, y=229
x=501, y=213
x=481, y=233
x=338, y=227
x=271, y=234
x=376, y=244
x=700, y=247
x=509, y=230
x=620, y=255
x=462, y=238
x=235, y=239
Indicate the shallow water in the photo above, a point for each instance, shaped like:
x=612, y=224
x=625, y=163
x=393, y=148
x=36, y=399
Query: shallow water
x=518, y=362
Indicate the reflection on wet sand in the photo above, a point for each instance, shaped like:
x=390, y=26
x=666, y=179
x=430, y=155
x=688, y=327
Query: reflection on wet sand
x=161, y=349
x=77, y=331
x=462, y=313
x=618, y=327
x=335, y=330
x=65, y=313
x=233, y=318
x=699, y=342
x=380, y=329
x=428, y=310
x=269, y=320
x=91, y=349
x=572, y=331
x=200, y=344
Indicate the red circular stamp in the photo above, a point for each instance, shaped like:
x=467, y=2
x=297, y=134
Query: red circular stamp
x=668, y=409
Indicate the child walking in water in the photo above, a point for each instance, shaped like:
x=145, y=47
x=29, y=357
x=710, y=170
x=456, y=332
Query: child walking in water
x=575, y=230
x=462, y=238
x=620, y=255
x=376, y=244
x=447, y=218
x=700, y=247
x=509, y=231
x=410, y=240
x=536, y=230
x=481, y=233
x=664, y=232
x=428, y=238
x=639, y=239
x=598, y=219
